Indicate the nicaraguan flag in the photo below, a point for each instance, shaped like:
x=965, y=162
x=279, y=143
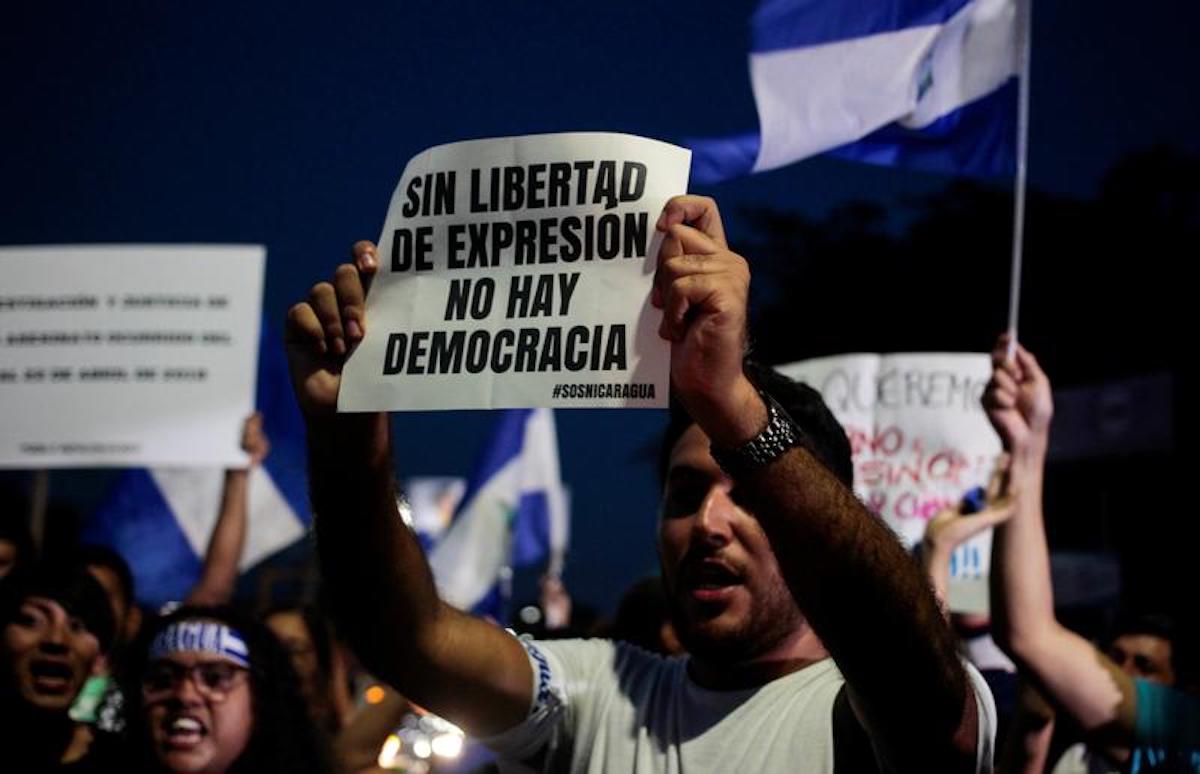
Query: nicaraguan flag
x=160, y=519
x=512, y=514
x=923, y=83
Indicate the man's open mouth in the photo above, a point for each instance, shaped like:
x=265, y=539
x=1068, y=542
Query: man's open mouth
x=711, y=579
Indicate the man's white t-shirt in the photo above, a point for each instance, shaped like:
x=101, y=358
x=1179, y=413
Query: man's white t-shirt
x=601, y=706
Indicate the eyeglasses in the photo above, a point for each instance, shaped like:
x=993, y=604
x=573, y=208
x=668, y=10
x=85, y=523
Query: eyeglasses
x=213, y=679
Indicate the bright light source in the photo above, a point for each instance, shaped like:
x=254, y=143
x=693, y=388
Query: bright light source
x=422, y=748
x=447, y=745
x=530, y=615
x=387, y=755
x=374, y=694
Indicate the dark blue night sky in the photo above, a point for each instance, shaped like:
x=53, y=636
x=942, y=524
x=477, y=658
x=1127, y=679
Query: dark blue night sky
x=289, y=124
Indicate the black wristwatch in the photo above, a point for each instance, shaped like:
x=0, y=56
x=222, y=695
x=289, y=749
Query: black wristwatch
x=780, y=434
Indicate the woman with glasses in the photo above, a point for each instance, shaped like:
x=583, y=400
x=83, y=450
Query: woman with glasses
x=218, y=694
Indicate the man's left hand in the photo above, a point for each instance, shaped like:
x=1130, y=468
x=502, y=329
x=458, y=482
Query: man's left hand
x=703, y=288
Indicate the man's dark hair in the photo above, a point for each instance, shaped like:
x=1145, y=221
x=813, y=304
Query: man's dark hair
x=92, y=555
x=67, y=583
x=823, y=436
x=1164, y=627
x=284, y=738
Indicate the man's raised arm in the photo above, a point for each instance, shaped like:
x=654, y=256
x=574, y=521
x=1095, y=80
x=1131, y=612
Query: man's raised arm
x=381, y=590
x=865, y=597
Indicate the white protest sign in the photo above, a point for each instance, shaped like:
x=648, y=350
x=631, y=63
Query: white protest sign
x=516, y=272
x=127, y=354
x=920, y=441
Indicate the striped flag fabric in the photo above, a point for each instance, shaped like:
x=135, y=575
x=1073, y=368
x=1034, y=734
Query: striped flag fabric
x=513, y=513
x=928, y=84
x=160, y=519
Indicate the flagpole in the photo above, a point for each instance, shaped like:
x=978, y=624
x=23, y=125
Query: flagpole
x=1025, y=31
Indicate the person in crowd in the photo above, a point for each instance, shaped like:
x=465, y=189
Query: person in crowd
x=1133, y=722
x=57, y=621
x=945, y=532
x=309, y=641
x=1149, y=646
x=16, y=542
x=224, y=552
x=100, y=706
x=218, y=694
x=358, y=731
x=771, y=564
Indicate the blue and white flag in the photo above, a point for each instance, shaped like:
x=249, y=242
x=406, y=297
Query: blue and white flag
x=513, y=514
x=160, y=519
x=922, y=83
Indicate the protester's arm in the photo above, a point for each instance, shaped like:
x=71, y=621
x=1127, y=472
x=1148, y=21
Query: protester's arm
x=951, y=528
x=862, y=593
x=1072, y=673
x=381, y=588
x=224, y=553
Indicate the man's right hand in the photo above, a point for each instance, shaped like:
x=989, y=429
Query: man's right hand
x=321, y=331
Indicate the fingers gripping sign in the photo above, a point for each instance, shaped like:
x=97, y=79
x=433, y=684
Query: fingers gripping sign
x=321, y=332
x=703, y=289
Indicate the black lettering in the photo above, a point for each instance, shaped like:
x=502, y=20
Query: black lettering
x=482, y=297
x=568, y=230
x=633, y=181
x=609, y=244
x=543, y=297
x=514, y=188
x=551, y=350
x=518, y=296
x=576, y=355
x=526, y=242
x=614, y=350
x=502, y=358
x=393, y=359
x=412, y=205
x=606, y=185
x=416, y=353
x=527, y=349
x=547, y=240
x=454, y=235
x=537, y=181
x=566, y=288
x=582, y=168
x=411, y=251
x=559, y=193
x=476, y=204
x=478, y=254
x=635, y=234
x=446, y=352
x=502, y=238
x=477, y=351
x=443, y=193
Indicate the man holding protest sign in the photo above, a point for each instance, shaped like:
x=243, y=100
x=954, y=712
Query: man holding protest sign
x=772, y=566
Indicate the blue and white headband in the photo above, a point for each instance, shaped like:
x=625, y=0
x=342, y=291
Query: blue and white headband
x=201, y=637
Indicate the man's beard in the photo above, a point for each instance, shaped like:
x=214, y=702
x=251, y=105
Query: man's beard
x=771, y=620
